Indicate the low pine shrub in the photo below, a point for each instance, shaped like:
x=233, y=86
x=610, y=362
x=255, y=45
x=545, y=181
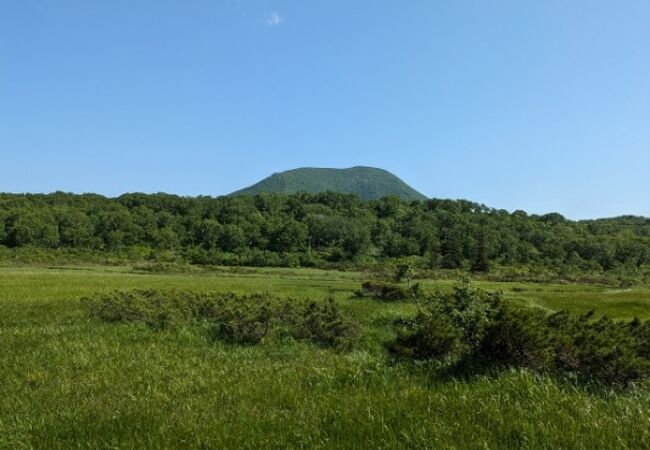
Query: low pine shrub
x=604, y=349
x=238, y=320
x=165, y=267
x=151, y=307
x=324, y=324
x=388, y=291
x=448, y=325
x=472, y=327
x=231, y=318
x=518, y=337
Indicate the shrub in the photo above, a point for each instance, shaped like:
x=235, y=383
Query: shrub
x=165, y=267
x=150, y=307
x=238, y=320
x=428, y=335
x=603, y=348
x=518, y=337
x=387, y=291
x=323, y=323
x=229, y=317
x=473, y=327
x=450, y=325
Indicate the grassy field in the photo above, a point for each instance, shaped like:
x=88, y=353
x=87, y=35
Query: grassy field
x=69, y=381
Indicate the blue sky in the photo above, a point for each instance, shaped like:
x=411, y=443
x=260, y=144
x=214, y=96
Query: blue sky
x=535, y=105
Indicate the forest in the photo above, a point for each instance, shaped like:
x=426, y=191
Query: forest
x=324, y=230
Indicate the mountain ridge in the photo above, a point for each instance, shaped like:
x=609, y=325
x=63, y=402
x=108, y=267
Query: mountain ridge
x=369, y=183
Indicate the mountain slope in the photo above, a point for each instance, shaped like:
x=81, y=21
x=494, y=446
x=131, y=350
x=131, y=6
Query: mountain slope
x=368, y=182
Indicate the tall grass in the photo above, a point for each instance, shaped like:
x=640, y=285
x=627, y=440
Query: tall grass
x=70, y=381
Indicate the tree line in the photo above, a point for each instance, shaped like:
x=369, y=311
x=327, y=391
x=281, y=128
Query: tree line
x=320, y=229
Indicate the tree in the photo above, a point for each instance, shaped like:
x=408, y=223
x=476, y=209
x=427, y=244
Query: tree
x=74, y=227
x=209, y=233
x=356, y=239
x=115, y=227
x=166, y=238
x=232, y=238
x=32, y=227
x=452, y=248
x=481, y=263
x=388, y=206
x=3, y=231
x=288, y=236
x=337, y=227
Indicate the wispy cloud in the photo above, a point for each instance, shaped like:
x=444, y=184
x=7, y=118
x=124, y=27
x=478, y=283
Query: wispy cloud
x=274, y=19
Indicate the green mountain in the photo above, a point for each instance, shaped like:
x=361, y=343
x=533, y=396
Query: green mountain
x=367, y=182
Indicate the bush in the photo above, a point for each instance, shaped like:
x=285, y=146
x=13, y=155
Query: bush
x=165, y=267
x=472, y=327
x=324, y=324
x=246, y=322
x=387, y=291
x=450, y=325
x=428, y=335
x=229, y=317
x=603, y=348
x=518, y=337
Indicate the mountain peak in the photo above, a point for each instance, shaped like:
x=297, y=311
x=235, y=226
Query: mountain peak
x=369, y=183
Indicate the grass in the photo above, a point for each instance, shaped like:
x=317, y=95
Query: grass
x=69, y=381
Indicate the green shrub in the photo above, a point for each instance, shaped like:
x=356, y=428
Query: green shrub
x=428, y=335
x=246, y=323
x=451, y=325
x=472, y=327
x=323, y=323
x=387, y=291
x=229, y=317
x=519, y=337
x=165, y=267
x=604, y=349
x=157, y=310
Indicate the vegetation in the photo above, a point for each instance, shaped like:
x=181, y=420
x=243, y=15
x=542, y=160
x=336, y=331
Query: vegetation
x=383, y=291
x=474, y=328
x=229, y=317
x=368, y=183
x=73, y=380
x=186, y=348
x=326, y=230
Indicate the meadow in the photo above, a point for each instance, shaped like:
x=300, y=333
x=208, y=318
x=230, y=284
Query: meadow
x=71, y=381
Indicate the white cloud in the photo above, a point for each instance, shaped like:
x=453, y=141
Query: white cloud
x=274, y=19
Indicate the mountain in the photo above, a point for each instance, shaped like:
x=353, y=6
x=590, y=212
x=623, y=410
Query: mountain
x=368, y=182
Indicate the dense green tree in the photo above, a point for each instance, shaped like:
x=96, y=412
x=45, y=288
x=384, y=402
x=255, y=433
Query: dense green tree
x=287, y=235
x=397, y=245
x=481, y=262
x=328, y=226
x=35, y=227
x=231, y=238
x=208, y=233
x=3, y=227
x=389, y=206
x=75, y=229
x=452, y=247
x=356, y=238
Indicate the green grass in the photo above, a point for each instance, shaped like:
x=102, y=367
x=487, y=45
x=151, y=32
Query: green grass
x=69, y=381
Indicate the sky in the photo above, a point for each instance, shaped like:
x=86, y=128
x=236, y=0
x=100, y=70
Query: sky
x=536, y=105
